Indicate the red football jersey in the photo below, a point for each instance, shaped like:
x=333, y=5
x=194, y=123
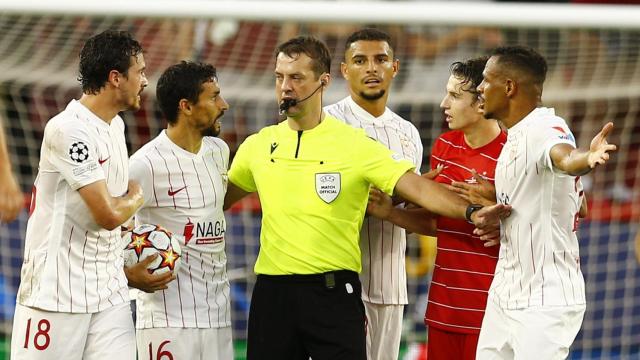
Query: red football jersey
x=464, y=268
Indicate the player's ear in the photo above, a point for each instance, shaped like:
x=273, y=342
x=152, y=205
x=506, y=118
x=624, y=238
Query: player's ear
x=184, y=106
x=114, y=78
x=343, y=70
x=510, y=87
x=325, y=80
x=396, y=67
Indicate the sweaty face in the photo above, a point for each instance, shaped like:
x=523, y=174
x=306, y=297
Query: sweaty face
x=460, y=105
x=493, y=97
x=369, y=68
x=295, y=79
x=134, y=83
x=206, y=113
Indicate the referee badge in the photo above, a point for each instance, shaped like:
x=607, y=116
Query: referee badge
x=328, y=186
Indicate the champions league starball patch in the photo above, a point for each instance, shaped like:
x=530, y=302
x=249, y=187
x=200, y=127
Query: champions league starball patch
x=79, y=152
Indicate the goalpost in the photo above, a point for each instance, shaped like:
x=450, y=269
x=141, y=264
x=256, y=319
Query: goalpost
x=593, y=53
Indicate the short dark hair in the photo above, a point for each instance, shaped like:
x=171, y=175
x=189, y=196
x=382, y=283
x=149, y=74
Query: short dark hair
x=310, y=46
x=522, y=59
x=109, y=50
x=470, y=71
x=182, y=81
x=368, y=34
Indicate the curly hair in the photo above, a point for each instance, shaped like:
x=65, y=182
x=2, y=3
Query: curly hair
x=102, y=53
x=470, y=71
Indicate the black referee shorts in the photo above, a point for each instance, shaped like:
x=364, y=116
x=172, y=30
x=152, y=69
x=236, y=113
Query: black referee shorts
x=294, y=317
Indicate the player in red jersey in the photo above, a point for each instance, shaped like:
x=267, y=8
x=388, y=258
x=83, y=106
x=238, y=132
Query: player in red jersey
x=465, y=158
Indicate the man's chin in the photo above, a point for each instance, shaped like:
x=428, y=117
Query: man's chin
x=135, y=106
x=372, y=95
x=212, y=131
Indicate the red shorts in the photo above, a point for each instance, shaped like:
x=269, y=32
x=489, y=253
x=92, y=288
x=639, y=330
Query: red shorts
x=445, y=345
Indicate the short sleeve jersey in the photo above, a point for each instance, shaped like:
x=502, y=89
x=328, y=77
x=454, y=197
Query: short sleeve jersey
x=464, y=267
x=71, y=264
x=382, y=243
x=184, y=193
x=539, y=262
x=313, y=186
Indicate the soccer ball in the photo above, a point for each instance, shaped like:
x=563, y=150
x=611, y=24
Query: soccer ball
x=146, y=240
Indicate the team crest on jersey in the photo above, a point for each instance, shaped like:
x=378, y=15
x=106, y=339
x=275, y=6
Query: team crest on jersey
x=79, y=152
x=328, y=186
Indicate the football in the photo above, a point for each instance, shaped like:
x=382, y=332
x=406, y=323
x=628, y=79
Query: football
x=145, y=240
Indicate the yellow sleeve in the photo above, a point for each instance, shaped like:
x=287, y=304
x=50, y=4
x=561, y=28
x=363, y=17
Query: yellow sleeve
x=381, y=167
x=240, y=173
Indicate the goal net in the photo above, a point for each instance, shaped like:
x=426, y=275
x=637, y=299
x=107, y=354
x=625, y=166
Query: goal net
x=594, y=77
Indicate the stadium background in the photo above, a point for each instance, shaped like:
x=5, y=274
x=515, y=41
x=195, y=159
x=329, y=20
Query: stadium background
x=594, y=76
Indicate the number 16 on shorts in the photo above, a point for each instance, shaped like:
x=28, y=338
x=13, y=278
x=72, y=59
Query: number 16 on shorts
x=160, y=353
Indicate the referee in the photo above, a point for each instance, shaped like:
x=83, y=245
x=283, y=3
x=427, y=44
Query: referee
x=312, y=173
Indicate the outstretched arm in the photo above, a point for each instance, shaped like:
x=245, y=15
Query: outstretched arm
x=439, y=200
x=415, y=220
x=431, y=195
x=579, y=162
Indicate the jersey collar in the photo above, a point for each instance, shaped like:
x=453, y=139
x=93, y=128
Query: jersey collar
x=165, y=139
x=77, y=107
x=533, y=116
x=364, y=116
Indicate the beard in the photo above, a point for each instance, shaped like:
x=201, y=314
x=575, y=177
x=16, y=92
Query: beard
x=133, y=106
x=212, y=131
x=375, y=96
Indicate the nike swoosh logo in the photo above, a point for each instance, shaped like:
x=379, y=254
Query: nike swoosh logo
x=172, y=193
x=102, y=161
x=273, y=147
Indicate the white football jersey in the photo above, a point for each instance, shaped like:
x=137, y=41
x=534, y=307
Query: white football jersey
x=184, y=193
x=539, y=262
x=383, y=244
x=70, y=263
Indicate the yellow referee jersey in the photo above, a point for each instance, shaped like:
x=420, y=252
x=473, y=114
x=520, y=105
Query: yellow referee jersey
x=313, y=187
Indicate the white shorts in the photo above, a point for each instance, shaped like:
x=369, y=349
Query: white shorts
x=532, y=333
x=185, y=343
x=384, y=329
x=39, y=334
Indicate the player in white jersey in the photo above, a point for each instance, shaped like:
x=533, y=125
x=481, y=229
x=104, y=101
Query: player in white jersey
x=537, y=298
x=369, y=68
x=73, y=298
x=183, y=174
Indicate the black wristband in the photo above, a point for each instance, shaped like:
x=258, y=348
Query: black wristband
x=470, y=210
